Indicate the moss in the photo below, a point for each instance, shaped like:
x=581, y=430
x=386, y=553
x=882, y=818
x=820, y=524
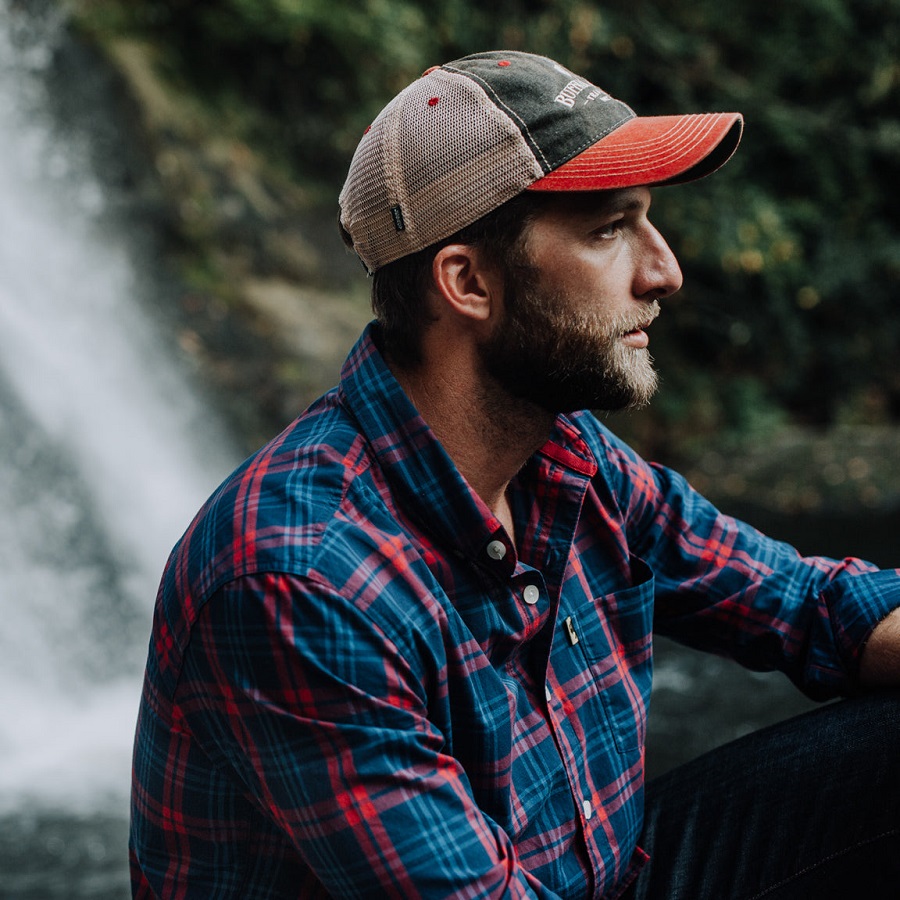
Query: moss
x=235, y=212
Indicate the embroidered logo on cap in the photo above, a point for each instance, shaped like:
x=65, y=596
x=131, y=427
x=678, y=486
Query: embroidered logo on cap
x=570, y=93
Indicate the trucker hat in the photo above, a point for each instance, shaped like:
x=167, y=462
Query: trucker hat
x=471, y=134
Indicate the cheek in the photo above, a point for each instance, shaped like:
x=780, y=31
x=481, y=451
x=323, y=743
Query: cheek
x=575, y=277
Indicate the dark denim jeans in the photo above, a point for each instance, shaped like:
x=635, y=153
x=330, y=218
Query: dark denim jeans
x=808, y=809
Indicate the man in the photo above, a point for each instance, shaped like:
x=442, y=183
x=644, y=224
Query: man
x=405, y=650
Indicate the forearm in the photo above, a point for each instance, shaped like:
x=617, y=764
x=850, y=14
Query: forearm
x=721, y=586
x=880, y=663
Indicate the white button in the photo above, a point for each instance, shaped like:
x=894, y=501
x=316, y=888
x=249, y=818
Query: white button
x=588, y=809
x=496, y=549
x=531, y=594
x=548, y=692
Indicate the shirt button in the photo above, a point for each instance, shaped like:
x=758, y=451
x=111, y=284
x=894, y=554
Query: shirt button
x=548, y=692
x=588, y=809
x=496, y=550
x=531, y=594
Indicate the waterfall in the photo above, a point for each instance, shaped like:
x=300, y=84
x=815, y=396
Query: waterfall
x=106, y=449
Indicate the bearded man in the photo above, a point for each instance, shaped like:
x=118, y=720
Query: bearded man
x=406, y=649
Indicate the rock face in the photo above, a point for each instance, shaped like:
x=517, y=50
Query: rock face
x=272, y=301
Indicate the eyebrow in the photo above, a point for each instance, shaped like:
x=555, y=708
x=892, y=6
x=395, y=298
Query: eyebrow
x=624, y=200
x=605, y=203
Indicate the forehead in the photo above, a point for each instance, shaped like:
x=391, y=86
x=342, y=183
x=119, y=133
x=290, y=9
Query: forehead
x=569, y=205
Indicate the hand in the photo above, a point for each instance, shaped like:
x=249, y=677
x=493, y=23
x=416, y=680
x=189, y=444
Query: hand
x=880, y=664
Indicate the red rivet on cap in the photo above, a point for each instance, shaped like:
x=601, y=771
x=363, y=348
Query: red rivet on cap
x=429, y=70
x=504, y=63
x=434, y=101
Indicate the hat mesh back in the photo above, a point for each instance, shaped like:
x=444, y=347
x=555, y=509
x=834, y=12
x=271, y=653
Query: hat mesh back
x=441, y=152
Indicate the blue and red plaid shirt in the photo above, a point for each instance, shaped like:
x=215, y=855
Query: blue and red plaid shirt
x=357, y=685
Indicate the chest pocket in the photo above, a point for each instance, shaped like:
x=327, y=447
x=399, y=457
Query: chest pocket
x=615, y=636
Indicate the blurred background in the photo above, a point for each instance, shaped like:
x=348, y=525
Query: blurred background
x=173, y=292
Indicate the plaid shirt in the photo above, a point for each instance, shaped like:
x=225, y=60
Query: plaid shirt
x=357, y=685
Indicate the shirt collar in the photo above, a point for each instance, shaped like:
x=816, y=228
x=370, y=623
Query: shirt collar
x=416, y=464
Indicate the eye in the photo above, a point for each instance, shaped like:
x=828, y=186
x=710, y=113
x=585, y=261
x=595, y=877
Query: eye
x=609, y=230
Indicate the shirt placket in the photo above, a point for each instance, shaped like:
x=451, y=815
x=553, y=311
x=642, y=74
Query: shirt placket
x=562, y=637
x=539, y=608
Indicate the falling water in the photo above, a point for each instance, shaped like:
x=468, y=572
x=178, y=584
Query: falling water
x=105, y=453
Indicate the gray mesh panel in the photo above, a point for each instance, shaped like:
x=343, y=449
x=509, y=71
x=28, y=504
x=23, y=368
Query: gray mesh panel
x=444, y=163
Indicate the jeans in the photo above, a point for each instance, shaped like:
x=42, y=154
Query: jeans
x=808, y=809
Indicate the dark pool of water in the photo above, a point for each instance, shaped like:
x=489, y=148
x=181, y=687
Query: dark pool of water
x=53, y=856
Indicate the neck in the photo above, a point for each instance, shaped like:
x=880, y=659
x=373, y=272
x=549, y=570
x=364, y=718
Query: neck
x=488, y=434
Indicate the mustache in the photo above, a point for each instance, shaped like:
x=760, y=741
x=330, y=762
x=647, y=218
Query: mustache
x=637, y=320
x=610, y=329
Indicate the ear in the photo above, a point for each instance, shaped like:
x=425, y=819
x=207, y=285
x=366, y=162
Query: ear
x=461, y=277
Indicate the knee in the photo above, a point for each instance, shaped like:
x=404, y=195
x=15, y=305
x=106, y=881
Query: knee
x=868, y=722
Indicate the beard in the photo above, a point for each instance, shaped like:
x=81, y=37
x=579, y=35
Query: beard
x=548, y=353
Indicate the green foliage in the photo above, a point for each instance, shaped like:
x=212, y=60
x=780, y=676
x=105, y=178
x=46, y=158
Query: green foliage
x=791, y=254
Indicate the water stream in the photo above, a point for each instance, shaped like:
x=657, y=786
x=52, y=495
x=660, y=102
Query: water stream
x=106, y=452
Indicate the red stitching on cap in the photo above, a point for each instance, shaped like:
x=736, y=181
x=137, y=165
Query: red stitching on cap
x=368, y=129
x=504, y=63
x=434, y=101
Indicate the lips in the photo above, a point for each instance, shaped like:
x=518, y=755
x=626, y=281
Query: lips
x=637, y=329
x=636, y=336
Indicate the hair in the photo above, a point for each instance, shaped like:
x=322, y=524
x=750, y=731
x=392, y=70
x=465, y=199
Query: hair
x=399, y=288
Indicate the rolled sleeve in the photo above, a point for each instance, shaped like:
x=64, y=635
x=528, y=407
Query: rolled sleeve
x=724, y=587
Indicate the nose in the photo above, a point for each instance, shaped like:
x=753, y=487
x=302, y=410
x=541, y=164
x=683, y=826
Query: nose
x=658, y=274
